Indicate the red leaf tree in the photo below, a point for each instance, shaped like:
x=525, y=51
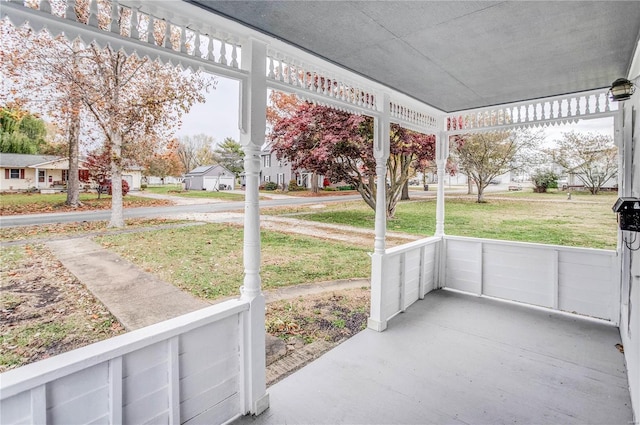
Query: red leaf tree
x=339, y=145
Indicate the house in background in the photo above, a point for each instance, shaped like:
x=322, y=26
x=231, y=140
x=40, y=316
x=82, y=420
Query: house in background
x=280, y=171
x=210, y=177
x=21, y=172
x=274, y=170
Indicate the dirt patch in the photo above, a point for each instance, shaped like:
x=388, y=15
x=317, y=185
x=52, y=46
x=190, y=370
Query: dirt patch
x=310, y=325
x=44, y=310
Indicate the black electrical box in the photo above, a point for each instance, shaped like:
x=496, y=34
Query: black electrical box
x=628, y=210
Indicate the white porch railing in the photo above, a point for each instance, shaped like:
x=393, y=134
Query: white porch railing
x=184, y=370
x=578, y=280
x=408, y=273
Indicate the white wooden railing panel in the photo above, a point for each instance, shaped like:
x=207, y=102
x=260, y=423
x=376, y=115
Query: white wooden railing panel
x=463, y=264
x=579, y=280
x=408, y=273
x=429, y=257
x=412, y=269
x=184, y=370
x=391, y=285
x=204, y=359
x=587, y=284
x=17, y=410
x=82, y=397
x=518, y=273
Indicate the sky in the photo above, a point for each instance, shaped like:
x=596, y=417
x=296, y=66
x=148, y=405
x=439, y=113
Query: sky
x=218, y=117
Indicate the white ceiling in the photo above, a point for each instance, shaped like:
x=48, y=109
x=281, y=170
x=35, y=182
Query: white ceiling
x=458, y=55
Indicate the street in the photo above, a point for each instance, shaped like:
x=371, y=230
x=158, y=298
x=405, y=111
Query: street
x=150, y=212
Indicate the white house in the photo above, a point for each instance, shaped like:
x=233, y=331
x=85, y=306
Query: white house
x=443, y=68
x=20, y=172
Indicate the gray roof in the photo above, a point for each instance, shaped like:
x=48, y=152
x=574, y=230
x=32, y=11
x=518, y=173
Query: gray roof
x=200, y=170
x=19, y=160
x=458, y=55
x=204, y=169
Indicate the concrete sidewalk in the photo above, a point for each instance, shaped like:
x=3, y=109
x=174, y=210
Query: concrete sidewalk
x=135, y=297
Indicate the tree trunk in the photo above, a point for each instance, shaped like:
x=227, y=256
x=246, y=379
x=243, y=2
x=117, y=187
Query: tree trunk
x=405, y=191
x=73, y=178
x=480, y=188
x=314, y=183
x=469, y=186
x=117, y=215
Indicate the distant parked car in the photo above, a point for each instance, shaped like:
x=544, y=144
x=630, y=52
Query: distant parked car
x=105, y=187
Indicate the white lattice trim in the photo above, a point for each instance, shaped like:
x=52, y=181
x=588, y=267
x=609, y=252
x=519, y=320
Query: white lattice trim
x=304, y=77
x=138, y=27
x=540, y=112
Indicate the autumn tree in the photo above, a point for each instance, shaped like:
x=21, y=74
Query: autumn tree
x=99, y=165
x=230, y=155
x=165, y=163
x=195, y=151
x=133, y=102
x=592, y=158
x=485, y=156
x=339, y=145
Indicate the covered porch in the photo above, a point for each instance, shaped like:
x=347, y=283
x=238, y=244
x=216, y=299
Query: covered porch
x=457, y=358
x=443, y=356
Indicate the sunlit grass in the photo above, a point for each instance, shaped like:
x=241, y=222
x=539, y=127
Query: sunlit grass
x=207, y=260
x=545, y=220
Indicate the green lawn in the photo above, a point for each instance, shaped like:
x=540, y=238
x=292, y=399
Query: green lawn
x=207, y=260
x=587, y=222
x=176, y=190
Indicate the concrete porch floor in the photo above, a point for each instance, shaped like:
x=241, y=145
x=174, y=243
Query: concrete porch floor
x=455, y=358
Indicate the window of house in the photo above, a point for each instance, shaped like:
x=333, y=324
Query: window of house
x=281, y=178
x=41, y=176
x=65, y=175
x=14, y=173
x=266, y=161
x=267, y=178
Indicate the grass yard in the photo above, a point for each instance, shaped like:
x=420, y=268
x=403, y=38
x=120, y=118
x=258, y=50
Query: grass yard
x=207, y=260
x=33, y=203
x=550, y=219
x=176, y=190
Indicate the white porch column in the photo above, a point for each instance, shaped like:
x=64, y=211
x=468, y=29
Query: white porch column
x=253, y=104
x=442, y=152
x=381, y=125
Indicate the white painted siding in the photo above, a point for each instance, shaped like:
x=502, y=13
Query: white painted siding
x=184, y=370
x=577, y=280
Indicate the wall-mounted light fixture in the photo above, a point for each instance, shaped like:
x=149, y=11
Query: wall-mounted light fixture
x=622, y=89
